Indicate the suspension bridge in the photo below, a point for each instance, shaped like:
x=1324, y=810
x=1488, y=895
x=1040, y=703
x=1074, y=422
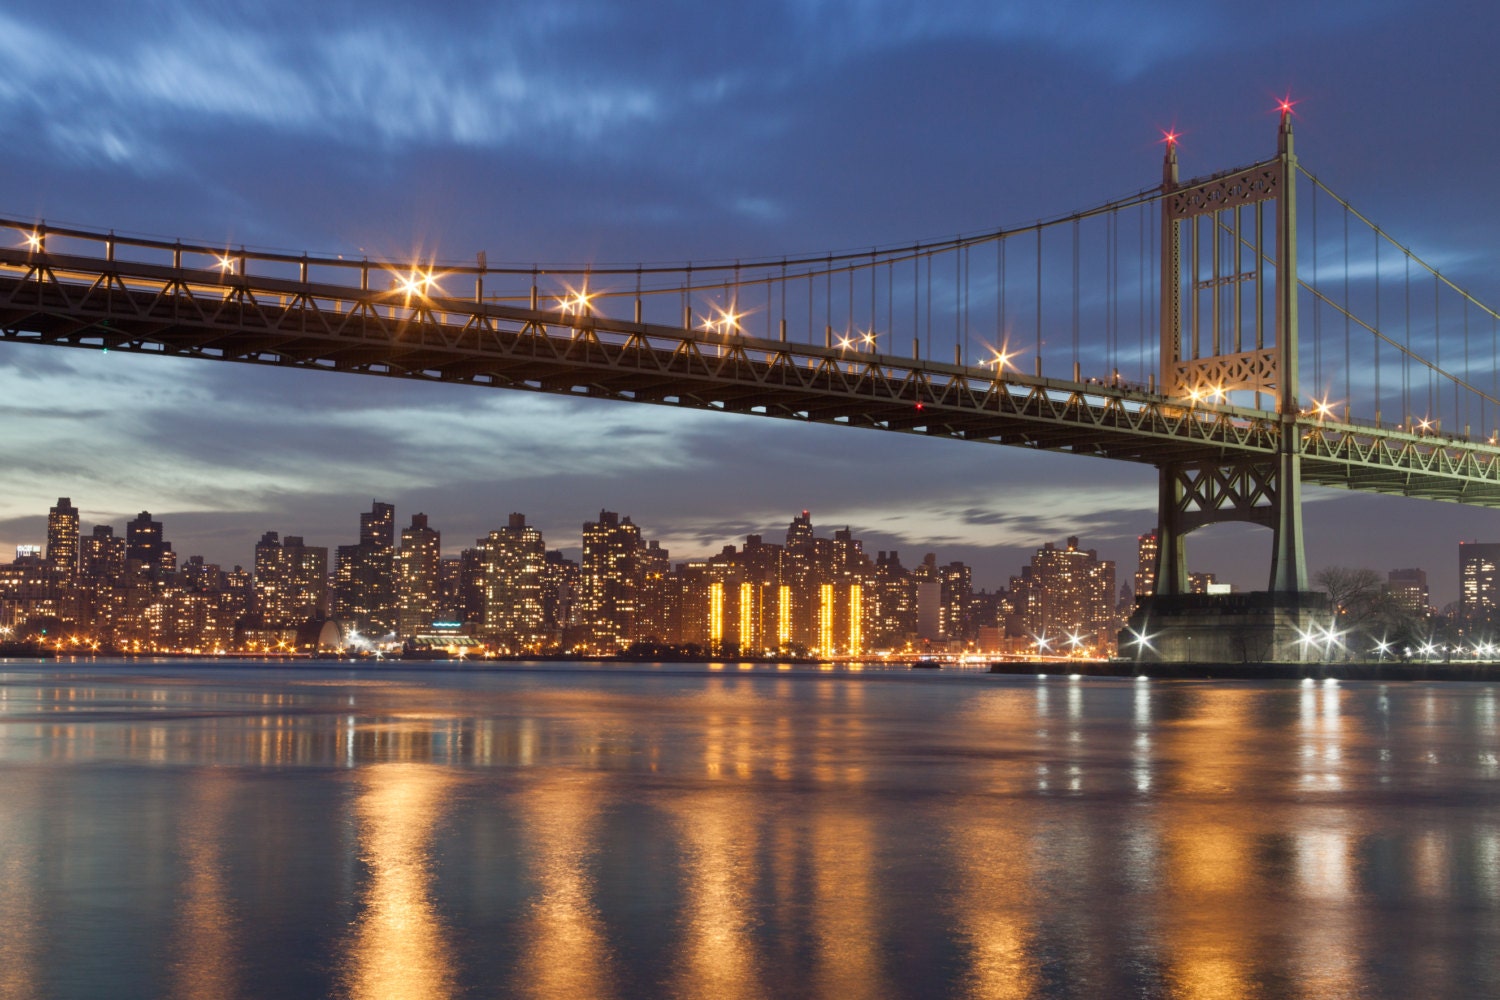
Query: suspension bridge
x=1174, y=327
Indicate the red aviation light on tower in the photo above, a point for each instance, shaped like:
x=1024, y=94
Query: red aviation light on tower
x=1285, y=105
x=1170, y=136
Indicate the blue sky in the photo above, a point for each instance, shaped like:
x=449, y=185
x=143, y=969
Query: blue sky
x=647, y=131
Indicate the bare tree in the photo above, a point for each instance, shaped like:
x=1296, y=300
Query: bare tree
x=1366, y=613
x=1348, y=588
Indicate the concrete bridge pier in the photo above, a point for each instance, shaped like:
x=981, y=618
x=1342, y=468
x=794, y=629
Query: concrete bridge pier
x=1254, y=627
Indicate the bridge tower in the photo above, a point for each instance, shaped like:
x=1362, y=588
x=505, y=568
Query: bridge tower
x=1229, y=325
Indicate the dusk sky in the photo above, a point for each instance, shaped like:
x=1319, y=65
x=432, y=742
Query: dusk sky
x=653, y=131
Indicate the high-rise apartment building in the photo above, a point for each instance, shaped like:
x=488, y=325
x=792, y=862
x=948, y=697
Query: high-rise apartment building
x=514, y=565
x=291, y=580
x=560, y=577
x=101, y=556
x=609, y=579
x=420, y=577
x=145, y=547
x=1065, y=592
x=365, y=574
x=1479, y=582
x=1147, y=551
x=62, y=541
x=894, y=611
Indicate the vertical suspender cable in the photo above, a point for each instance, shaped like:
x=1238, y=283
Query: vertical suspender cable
x=927, y=346
x=961, y=329
x=1076, y=361
x=1002, y=334
x=1378, y=328
x=1141, y=290
x=1348, y=369
x=1406, y=354
x=1317, y=302
x=890, y=303
x=1434, y=394
x=1039, y=299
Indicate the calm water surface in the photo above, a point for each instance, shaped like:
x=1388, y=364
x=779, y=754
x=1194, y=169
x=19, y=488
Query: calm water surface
x=185, y=831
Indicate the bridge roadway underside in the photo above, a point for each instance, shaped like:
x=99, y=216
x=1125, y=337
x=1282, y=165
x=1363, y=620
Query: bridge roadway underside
x=158, y=310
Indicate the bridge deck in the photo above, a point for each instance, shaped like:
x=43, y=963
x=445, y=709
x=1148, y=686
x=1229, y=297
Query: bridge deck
x=80, y=301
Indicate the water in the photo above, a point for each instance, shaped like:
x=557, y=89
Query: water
x=177, y=830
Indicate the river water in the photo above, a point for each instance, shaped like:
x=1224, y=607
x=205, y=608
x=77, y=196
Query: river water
x=177, y=830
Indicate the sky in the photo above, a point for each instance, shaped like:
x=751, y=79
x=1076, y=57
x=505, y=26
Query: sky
x=614, y=132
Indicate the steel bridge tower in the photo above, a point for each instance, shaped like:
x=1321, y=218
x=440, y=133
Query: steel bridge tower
x=1229, y=326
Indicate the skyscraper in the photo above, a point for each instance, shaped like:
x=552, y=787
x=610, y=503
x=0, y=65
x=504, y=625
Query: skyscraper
x=420, y=578
x=101, y=556
x=609, y=579
x=291, y=580
x=514, y=564
x=1479, y=582
x=365, y=575
x=145, y=546
x=62, y=541
x=1065, y=592
x=1145, y=573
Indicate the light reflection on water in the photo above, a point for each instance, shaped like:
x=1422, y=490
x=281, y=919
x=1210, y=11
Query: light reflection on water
x=193, y=832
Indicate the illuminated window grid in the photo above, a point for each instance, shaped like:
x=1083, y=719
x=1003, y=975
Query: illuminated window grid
x=747, y=617
x=716, y=613
x=825, y=619
x=783, y=615
x=856, y=614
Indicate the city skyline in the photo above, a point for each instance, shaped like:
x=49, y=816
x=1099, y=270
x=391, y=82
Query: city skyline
x=454, y=544
x=673, y=153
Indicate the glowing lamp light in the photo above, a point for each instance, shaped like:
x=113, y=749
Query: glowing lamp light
x=1285, y=105
x=417, y=282
x=1170, y=136
x=1001, y=359
x=225, y=263
x=33, y=241
x=575, y=303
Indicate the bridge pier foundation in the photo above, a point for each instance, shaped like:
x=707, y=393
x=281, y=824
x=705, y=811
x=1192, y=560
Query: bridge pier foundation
x=1253, y=627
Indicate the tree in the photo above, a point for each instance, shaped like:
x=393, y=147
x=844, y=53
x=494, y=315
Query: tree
x=1367, y=615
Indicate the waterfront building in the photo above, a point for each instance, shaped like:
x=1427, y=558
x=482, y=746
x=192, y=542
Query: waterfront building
x=1479, y=582
x=365, y=576
x=560, y=576
x=894, y=610
x=146, y=547
x=654, y=604
x=420, y=578
x=1064, y=593
x=609, y=580
x=470, y=603
x=291, y=580
x=1147, y=553
x=62, y=541
x=514, y=563
x=957, y=598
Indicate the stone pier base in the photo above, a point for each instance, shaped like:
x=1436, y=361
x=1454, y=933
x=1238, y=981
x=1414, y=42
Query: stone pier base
x=1255, y=627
